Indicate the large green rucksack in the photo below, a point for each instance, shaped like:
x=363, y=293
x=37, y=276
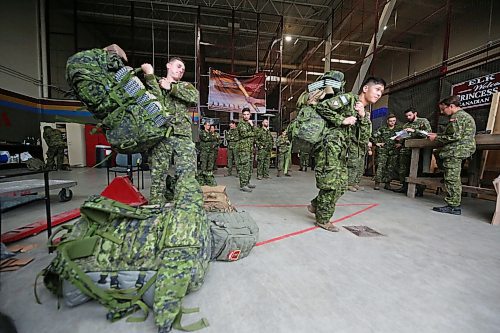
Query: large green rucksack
x=134, y=258
x=234, y=234
x=131, y=117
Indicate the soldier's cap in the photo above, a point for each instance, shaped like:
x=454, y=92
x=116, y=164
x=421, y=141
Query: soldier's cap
x=334, y=75
x=113, y=48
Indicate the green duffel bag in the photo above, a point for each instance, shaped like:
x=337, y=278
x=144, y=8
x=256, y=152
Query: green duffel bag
x=234, y=235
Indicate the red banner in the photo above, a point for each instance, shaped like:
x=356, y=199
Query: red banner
x=477, y=92
x=232, y=93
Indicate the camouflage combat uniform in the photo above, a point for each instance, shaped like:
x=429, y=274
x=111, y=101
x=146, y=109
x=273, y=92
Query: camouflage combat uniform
x=180, y=143
x=459, y=144
x=264, y=141
x=215, y=149
x=206, y=176
x=232, y=153
x=245, y=152
x=331, y=154
x=358, y=146
x=387, y=156
x=283, y=145
x=56, y=146
x=420, y=124
x=304, y=155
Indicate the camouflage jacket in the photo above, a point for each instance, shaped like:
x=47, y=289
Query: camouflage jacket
x=384, y=135
x=283, y=144
x=176, y=101
x=53, y=137
x=215, y=140
x=458, y=137
x=420, y=124
x=205, y=140
x=246, y=134
x=232, y=138
x=263, y=139
x=334, y=110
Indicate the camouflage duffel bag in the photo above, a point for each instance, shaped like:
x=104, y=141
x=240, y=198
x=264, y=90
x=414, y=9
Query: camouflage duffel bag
x=130, y=258
x=132, y=117
x=234, y=234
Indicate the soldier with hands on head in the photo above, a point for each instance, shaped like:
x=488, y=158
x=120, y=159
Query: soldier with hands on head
x=176, y=97
x=386, y=153
x=459, y=143
x=246, y=134
x=416, y=128
x=264, y=141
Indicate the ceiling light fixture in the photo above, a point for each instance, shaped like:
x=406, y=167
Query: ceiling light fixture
x=314, y=73
x=385, y=27
x=288, y=38
x=342, y=61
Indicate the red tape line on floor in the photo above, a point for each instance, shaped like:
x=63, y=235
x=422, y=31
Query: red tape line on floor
x=275, y=239
x=36, y=227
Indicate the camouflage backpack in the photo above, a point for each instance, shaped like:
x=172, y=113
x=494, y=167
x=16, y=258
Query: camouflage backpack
x=35, y=164
x=134, y=258
x=308, y=128
x=130, y=116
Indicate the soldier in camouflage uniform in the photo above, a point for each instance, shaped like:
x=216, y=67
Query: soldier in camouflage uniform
x=283, y=145
x=265, y=142
x=206, y=176
x=459, y=144
x=387, y=154
x=343, y=113
x=304, y=156
x=232, y=142
x=176, y=97
x=413, y=127
x=215, y=145
x=56, y=146
x=245, y=151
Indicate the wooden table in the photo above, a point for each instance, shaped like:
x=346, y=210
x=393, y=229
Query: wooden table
x=483, y=142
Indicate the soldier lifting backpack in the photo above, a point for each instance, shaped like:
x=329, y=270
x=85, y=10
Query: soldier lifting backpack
x=131, y=117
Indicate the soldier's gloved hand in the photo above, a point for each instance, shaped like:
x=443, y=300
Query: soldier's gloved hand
x=349, y=121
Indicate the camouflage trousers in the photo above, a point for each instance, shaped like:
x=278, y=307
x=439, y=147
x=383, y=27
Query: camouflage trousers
x=245, y=166
x=452, y=168
x=207, y=162
x=55, y=153
x=356, y=165
x=304, y=160
x=215, y=152
x=263, y=161
x=232, y=155
x=183, y=150
x=331, y=179
x=280, y=161
x=386, y=166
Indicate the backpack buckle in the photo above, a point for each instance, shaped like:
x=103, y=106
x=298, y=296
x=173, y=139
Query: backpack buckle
x=234, y=255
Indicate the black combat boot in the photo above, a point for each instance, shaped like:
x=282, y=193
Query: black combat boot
x=403, y=189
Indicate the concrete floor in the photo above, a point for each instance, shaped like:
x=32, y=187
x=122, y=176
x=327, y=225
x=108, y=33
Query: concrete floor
x=430, y=272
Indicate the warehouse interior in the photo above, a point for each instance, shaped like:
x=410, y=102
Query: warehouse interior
x=420, y=272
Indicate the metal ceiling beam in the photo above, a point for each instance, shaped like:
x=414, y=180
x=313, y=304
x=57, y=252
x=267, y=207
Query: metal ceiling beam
x=386, y=13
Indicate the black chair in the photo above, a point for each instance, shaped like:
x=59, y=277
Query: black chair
x=122, y=166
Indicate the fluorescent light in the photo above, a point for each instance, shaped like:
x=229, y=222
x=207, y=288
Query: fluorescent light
x=385, y=27
x=314, y=73
x=342, y=61
x=290, y=98
x=288, y=38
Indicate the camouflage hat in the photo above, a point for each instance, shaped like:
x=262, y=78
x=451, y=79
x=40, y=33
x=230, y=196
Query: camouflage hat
x=334, y=75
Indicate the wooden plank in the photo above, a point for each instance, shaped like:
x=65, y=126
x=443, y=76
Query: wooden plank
x=496, y=216
x=415, y=156
x=436, y=182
